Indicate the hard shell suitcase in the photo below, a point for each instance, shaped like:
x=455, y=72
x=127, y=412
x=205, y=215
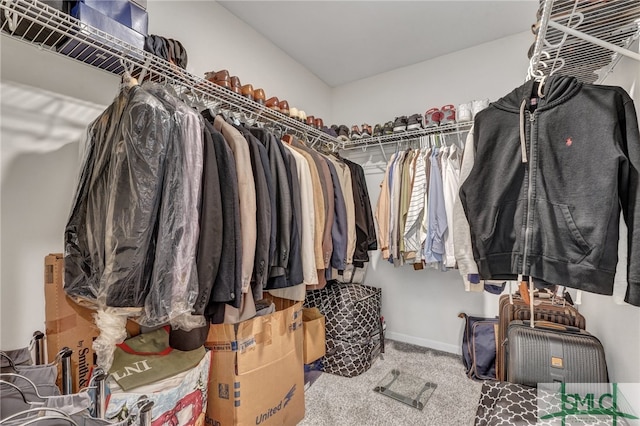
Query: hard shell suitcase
x=552, y=353
x=544, y=310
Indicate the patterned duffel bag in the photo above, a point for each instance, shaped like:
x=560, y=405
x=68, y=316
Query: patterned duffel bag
x=352, y=320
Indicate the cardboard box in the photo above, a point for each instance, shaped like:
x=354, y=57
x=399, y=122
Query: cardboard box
x=257, y=373
x=69, y=324
x=314, y=335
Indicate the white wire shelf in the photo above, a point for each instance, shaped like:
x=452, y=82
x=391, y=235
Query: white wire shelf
x=406, y=136
x=584, y=38
x=48, y=29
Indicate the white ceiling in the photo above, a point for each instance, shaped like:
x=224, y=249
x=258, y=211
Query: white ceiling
x=344, y=41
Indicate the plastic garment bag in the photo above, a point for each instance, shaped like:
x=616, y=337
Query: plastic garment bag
x=174, y=280
x=131, y=238
x=110, y=234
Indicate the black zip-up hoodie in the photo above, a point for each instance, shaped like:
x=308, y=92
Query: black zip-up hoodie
x=544, y=196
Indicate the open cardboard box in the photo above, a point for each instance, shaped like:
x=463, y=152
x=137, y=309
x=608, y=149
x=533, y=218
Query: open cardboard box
x=68, y=324
x=257, y=373
x=314, y=346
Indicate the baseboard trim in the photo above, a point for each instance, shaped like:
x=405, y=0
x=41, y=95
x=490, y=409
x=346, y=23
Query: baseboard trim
x=427, y=343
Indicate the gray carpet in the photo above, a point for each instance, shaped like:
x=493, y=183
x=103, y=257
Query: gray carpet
x=335, y=401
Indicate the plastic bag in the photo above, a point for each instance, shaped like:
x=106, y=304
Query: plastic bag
x=131, y=238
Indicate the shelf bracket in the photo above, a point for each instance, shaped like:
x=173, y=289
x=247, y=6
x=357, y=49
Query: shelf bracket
x=384, y=155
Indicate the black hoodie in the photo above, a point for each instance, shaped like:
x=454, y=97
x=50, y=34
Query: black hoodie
x=549, y=181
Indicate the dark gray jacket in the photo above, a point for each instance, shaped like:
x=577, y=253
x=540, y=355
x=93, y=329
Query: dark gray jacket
x=211, y=225
x=228, y=284
x=339, y=226
x=365, y=228
x=284, y=215
x=545, y=193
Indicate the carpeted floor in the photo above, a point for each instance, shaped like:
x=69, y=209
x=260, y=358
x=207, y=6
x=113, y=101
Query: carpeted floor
x=339, y=401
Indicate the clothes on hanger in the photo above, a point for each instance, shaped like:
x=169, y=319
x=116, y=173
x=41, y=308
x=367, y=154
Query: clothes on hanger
x=411, y=212
x=549, y=180
x=130, y=241
x=180, y=216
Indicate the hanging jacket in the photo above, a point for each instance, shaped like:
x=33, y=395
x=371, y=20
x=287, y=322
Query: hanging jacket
x=416, y=211
x=544, y=196
x=247, y=193
x=307, y=227
x=227, y=286
x=281, y=220
x=339, y=226
x=383, y=211
x=365, y=228
x=295, y=275
x=319, y=197
x=210, y=243
x=109, y=249
x=174, y=279
x=263, y=214
x=83, y=234
x=451, y=182
x=434, y=244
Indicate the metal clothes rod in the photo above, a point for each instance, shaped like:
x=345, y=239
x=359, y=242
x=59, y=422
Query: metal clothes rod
x=595, y=40
x=412, y=135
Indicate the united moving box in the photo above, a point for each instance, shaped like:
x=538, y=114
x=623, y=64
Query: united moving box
x=257, y=373
x=69, y=324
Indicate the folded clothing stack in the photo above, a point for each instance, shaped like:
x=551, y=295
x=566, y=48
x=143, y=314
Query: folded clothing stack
x=168, y=49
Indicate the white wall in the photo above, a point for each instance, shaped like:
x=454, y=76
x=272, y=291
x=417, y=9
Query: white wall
x=615, y=323
x=47, y=102
x=486, y=71
x=40, y=133
x=216, y=40
x=421, y=307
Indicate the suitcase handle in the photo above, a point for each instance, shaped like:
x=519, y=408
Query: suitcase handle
x=554, y=326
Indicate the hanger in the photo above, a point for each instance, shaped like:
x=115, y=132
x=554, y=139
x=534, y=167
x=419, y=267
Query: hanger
x=537, y=74
x=63, y=416
x=128, y=80
x=199, y=103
